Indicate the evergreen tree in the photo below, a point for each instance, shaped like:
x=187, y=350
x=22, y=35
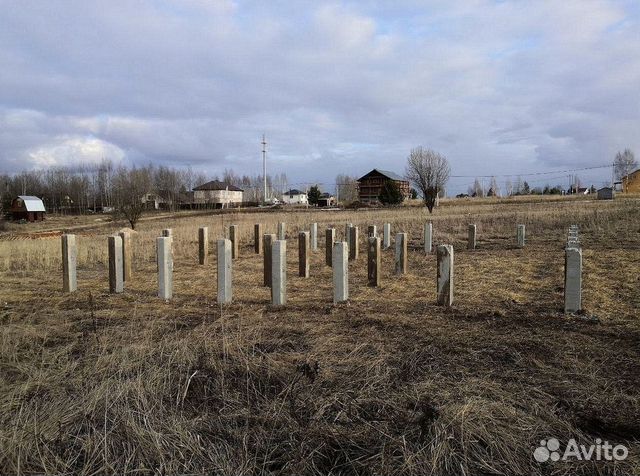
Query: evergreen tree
x=314, y=195
x=390, y=193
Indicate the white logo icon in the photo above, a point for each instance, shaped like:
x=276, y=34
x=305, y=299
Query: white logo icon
x=549, y=450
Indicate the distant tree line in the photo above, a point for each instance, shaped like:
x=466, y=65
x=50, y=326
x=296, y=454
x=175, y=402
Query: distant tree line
x=86, y=188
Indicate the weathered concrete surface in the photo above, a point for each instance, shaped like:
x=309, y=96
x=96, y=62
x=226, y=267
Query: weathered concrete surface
x=354, y=243
x=471, y=245
x=203, y=245
x=165, y=267
x=282, y=231
x=330, y=238
x=303, y=254
x=347, y=234
x=374, y=261
x=340, y=272
x=127, y=255
x=116, y=278
x=267, y=241
x=225, y=271
x=401, y=253
x=520, y=235
x=444, y=255
x=279, y=273
x=314, y=237
x=234, y=237
x=573, y=280
x=69, y=263
x=428, y=237
x=386, y=236
x=257, y=238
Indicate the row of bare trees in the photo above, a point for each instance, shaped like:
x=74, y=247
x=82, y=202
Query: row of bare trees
x=105, y=186
x=91, y=187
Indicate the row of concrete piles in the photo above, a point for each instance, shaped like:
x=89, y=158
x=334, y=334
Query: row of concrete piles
x=273, y=247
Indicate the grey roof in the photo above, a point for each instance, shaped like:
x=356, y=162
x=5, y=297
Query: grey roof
x=386, y=173
x=293, y=191
x=217, y=185
x=32, y=204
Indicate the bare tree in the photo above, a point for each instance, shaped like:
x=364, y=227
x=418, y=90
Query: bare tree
x=346, y=188
x=508, y=187
x=624, y=163
x=130, y=186
x=518, y=188
x=429, y=172
x=476, y=190
x=494, y=190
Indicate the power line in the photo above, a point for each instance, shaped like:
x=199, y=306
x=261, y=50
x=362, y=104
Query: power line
x=534, y=173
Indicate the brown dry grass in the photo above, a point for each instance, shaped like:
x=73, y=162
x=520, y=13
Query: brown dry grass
x=386, y=384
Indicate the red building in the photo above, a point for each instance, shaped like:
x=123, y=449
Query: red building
x=370, y=185
x=28, y=208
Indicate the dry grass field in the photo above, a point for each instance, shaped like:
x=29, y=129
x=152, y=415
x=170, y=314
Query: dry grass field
x=388, y=383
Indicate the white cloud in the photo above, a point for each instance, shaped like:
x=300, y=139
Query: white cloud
x=74, y=151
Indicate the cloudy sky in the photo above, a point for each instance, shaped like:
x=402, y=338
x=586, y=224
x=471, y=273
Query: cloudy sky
x=499, y=87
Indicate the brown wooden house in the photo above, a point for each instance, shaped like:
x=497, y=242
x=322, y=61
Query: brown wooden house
x=27, y=207
x=370, y=185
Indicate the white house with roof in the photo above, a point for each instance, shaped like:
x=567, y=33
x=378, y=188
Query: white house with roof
x=219, y=194
x=295, y=197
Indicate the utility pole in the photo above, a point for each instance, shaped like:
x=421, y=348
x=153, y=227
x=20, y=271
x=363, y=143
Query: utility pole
x=264, y=166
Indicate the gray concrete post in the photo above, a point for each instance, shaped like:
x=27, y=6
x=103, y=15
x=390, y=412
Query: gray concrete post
x=225, y=271
x=267, y=241
x=347, y=234
x=386, y=236
x=257, y=238
x=303, y=254
x=69, y=263
x=282, y=231
x=330, y=238
x=520, y=236
x=165, y=267
x=127, y=255
x=279, y=273
x=314, y=237
x=354, y=246
x=371, y=231
x=234, y=237
x=428, y=238
x=401, y=253
x=340, y=272
x=203, y=245
x=374, y=261
x=471, y=245
x=116, y=279
x=167, y=232
x=573, y=280
x=445, y=275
